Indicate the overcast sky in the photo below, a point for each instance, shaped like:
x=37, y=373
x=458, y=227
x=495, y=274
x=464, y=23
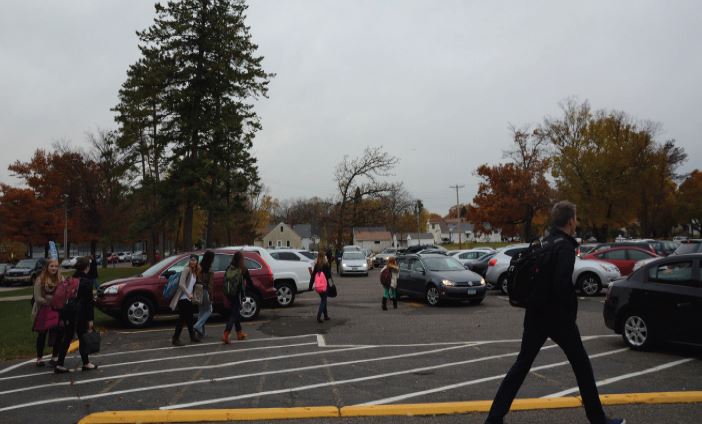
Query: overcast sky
x=435, y=82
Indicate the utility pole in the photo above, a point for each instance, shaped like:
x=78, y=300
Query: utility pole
x=65, y=226
x=458, y=214
x=418, y=211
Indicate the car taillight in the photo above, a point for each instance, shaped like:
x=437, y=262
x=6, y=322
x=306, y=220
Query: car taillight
x=492, y=262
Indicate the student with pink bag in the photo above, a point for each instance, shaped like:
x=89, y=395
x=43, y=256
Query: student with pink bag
x=45, y=318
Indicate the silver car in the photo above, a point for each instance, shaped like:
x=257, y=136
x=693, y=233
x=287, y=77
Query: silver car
x=589, y=276
x=353, y=262
x=470, y=256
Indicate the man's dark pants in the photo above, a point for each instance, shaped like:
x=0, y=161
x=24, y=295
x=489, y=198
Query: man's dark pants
x=565, y=333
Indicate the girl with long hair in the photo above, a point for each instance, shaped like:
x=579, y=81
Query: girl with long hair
x=321, y=266
x=390, y=291
x=42, y=313
x=79, y=319
x=236, y=278
x=183, y=301
x=205, y=279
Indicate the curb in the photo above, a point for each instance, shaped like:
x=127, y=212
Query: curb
x=447, y=408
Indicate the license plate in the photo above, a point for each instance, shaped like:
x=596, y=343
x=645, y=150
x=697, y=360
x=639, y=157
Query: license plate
x=472, y=291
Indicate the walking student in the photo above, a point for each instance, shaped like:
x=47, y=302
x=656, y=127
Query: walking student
x=321, y=267
x=182, y=301
x=236, y=279
x=551, y=311
x=388, y=278
x=44, y=317
x=77, y=318
x=205, y=280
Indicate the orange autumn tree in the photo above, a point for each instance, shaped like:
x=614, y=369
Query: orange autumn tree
x=511, y=196
x=25, y=218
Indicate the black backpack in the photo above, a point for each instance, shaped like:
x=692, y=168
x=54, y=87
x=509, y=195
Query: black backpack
x=526, y=270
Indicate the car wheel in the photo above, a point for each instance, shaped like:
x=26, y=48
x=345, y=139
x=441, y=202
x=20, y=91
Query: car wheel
x=636, y=331
x=285, y=295
x=502, y=284
x=137, y=312
x=589, y=284
x=432, y=295
x=250, y=306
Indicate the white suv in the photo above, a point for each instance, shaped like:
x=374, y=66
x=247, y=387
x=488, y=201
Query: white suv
x=289, y=276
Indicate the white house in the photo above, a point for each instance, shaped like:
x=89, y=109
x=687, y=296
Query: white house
x=405, y=240
x=375, y=239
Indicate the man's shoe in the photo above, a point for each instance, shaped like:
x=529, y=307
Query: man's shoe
x=61, y=369
x=240, y=335
x=616, y=421
x=52, y=363
x=225, y=337
x=326, y=318
x=177, y=342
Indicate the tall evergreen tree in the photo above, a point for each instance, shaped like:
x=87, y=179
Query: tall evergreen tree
x=200, y=56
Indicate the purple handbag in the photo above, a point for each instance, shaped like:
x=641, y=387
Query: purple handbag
x=46, y=319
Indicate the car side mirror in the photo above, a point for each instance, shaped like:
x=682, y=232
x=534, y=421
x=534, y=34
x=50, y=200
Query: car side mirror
x=168, y=273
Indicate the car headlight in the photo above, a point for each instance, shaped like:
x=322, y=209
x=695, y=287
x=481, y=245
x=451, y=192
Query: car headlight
x=113, y=289
x=365, y=265
x=482, y=281
x=344, y=264
x=447, y=283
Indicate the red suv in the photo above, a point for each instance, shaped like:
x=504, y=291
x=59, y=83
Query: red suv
x=136, y=300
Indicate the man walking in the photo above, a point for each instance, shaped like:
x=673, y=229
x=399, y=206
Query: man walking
x=551, y=312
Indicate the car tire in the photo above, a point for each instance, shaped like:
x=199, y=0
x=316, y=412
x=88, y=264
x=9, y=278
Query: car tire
x=432, y=295
x=589, y=284
x=502, y=284
x=636, y=331
x=285, y=295
x=250, y=307
x=138, y=311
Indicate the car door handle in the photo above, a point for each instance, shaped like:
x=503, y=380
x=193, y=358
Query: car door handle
x=684, y=305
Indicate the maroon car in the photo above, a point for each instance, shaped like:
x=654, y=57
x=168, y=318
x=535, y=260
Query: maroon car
x=136, y=300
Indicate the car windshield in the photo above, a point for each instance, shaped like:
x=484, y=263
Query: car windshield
x=443, y=264
x=155, y=269
x=26, y=263
x=354, y=255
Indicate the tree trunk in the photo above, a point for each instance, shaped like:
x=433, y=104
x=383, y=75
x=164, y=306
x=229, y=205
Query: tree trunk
x=188, y=225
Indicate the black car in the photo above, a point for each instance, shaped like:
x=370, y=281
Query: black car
x=481, y=265
x=24, y=271
x=419, y=248
x=661, y=301
x=438, y=277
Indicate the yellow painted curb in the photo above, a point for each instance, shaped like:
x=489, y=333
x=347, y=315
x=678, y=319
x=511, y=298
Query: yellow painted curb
x=652, y=398
x=73, y=346
x=454, y=407
x=209, y=415
x=447, y=408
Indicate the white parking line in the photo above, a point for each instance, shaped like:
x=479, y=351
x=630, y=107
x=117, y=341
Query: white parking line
x=479, y=380
x=219, y=379
x=371, y=377
x=624, y=377
x=156, y=349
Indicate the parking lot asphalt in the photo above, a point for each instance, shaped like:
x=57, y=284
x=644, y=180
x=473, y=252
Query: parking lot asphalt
x=363, y=355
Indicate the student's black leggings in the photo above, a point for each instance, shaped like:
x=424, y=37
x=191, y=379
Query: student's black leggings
x=185, y=318
x=41, y=342
x=235, y=314
x=66, y=337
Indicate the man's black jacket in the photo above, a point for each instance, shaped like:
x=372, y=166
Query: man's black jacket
x=554, y=297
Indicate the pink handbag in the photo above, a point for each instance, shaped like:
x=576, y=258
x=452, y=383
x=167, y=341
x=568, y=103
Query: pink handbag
x=46, y=319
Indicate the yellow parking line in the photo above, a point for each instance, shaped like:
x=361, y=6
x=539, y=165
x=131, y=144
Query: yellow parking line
x=447, y=408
